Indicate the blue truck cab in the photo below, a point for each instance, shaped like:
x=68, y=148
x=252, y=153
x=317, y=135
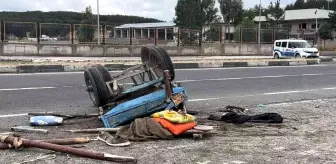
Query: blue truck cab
x=294, y=48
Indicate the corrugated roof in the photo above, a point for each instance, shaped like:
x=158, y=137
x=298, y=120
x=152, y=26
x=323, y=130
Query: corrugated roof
x=147, y=25
x=301, y=14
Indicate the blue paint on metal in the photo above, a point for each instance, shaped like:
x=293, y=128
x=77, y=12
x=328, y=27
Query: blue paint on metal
x=139, y=107
x=142, y=86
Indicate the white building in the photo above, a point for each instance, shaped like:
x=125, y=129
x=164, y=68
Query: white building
x=302, y=23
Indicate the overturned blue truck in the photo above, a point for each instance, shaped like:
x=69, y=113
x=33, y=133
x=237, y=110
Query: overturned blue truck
x=138, y=91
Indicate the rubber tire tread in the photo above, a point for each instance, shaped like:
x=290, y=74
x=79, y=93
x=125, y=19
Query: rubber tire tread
x=144, y=54
x=101, y=86
x=168, y=62
x=104, y=72
x=156, y=54
x=87, y=74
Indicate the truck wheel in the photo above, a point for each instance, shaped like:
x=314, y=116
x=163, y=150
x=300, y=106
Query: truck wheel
x=104, y=72
x=102, y=89
x=297, y=55
x=168, y=62
x=91, y=87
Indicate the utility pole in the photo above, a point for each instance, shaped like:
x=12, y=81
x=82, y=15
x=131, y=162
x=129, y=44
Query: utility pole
x=98, y=22
x=316, y=26
x=259, y=27
x=259, y=22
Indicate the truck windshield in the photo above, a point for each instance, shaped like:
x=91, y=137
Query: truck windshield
x=299, y=45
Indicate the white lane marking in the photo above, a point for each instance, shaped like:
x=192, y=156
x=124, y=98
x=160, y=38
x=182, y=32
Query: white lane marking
x=263, y=94
x=192, y=69
x=218, y=98
x=30, y=88
x=255, y=77
x=182, y=81
x=14, y=115
x=230, y=68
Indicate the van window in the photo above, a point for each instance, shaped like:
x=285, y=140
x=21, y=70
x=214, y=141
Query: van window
x=284, y=44
x=277, y=44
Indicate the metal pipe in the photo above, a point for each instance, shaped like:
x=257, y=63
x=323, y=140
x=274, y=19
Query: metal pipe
x=167, y=85
x=66, y=149
x=66, y=141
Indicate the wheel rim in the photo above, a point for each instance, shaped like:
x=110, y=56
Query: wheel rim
x=90, y=90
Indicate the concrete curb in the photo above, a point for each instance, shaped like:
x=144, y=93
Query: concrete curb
x=115, y=67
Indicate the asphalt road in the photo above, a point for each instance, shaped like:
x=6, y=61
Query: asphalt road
x=208, y=89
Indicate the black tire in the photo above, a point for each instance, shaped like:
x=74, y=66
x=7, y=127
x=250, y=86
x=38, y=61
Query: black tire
x=103, y=91
x=156, y=59
x=104, y=72
x=168, y=62
x=91, y=87
x=297, y=56
x=144, y=54
x=276, y=56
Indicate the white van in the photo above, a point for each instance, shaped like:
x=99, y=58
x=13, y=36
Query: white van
x=294, y=48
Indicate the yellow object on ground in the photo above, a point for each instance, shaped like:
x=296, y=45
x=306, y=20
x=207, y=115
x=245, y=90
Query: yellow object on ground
x=174, y=117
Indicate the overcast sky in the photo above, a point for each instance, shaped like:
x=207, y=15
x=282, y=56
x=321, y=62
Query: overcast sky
x=160, y=9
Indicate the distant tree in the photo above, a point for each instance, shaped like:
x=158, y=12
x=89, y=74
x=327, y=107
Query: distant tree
x=232, y=11
x=325, y=32
x=332, y=20
x=194, y=15
x=274, y=14
x=246, y=31
x=86, y=30
x=309, y=4
x=299, y=4
x=250, y=14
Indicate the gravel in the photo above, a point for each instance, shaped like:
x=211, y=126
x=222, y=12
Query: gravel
x=306, y=136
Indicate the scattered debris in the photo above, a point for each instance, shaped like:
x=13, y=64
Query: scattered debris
x=112, y=141
x=51, y=156
x=28, y=129
x=112, y=130
x=45, y=120
x=236, y=109
x=19, y=142
x=66, y=141
x=232, y=117
x=65, y=117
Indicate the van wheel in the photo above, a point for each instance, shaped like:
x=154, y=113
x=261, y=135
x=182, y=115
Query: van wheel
x=297, y=56
x=276, y=56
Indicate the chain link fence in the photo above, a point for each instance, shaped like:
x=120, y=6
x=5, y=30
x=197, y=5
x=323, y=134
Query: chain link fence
x=67, y=33
x=20, y=31
x=55, y=33
x=188, y=37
